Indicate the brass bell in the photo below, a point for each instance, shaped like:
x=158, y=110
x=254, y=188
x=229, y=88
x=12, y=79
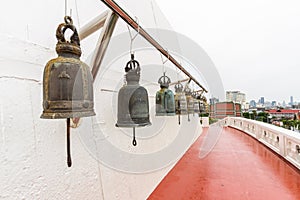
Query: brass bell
x=180, y=101
x=165, y=102
x=133, y=104
x=67, y=82
x=189, y=100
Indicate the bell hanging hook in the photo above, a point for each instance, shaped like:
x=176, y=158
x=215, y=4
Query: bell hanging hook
x=66, y=9
x=132, y=38
x=168, y=58
x=164, y=61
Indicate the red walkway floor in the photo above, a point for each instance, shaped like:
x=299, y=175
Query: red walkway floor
x=238, y=167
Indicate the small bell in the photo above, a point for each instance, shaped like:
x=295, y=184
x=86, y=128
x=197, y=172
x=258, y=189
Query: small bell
x=165, y=102
x=67, y=82
x=133, y=104
x=189, y=100
x=180, y=101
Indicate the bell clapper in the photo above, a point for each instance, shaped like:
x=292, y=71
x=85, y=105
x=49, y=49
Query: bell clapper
x=75, y=122
x=134, y=140
x=69, y=160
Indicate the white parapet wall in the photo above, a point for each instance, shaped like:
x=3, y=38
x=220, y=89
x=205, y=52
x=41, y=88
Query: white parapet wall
x=284, y=142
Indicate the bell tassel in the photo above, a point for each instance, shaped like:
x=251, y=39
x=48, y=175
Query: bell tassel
x=134, y=143
x=179, y=113
x=69, y=160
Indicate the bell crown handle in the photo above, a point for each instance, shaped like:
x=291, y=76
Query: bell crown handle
x=61, y=29
x=132, y=65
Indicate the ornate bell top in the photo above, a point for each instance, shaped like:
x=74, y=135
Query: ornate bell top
x=187, y=90
x=67, y=48
x=133, y=71
x=178, y=87
x=164, y=81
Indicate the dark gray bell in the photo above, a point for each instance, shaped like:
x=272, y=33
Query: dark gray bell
x=165, y=102
x=133, y=104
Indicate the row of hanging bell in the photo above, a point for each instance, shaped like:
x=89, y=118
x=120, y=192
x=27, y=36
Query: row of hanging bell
x=67, y=82
x=133, y=104
x=165, y=102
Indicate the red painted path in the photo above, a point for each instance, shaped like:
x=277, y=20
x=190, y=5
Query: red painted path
x=238, y=167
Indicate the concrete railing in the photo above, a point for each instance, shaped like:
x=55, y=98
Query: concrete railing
x=282, y=141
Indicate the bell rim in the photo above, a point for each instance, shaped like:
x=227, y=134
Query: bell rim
x=55, y=115
x=165, y=114
x=121, y=125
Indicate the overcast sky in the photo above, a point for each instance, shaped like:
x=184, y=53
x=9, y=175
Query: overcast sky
x=255, y=45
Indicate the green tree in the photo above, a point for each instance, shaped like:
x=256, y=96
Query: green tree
x=246, y=115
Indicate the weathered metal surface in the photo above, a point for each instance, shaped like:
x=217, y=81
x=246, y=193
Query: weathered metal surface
x=165, y=102
x=189, y=99
x=180, y=100
x=67, y=83
x=133, y=104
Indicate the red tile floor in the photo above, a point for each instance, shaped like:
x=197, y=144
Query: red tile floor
x=238, y=167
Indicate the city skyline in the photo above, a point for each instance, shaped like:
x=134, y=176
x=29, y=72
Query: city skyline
x=287, y=100
x=266, y=99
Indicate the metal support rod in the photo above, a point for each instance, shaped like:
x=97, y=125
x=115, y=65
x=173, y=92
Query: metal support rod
x=180, y=81
x=92, y=26
x=103, y=41
x=121, y=13
x=107, y=20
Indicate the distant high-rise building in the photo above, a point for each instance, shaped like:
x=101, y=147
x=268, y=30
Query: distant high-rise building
x=283, y=104
x=273, y=103
x=291, y=100
x=262, y=100
x=236, y=97
x=252, y=104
